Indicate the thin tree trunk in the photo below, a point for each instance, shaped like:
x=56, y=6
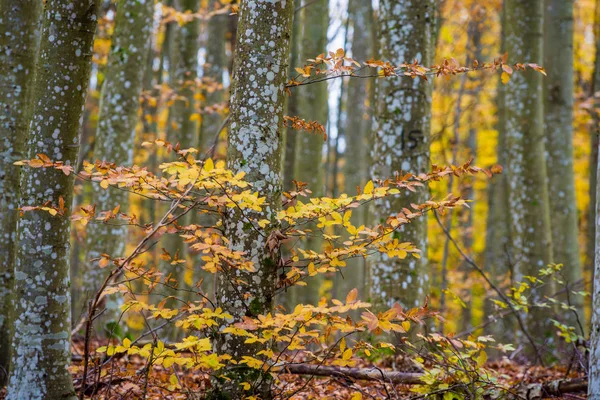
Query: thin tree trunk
x=594, y=361
x=42, y=326
x=401, y=143
x=312, y=106
x=119, y=103
x=558, y=125
x=19, y=21
x=215, y=67
x=289, y=159
x=255, y=146
x=594, y=140
x=183, y=129
x=529, y=210
x=357, y=128
x=497, y=262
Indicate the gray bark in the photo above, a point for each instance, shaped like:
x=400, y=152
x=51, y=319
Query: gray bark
x=19, y=21
x=558, y=125
x=530, y=247
x=255, y=146
x=312, y=106
x=401, y=143
x=119, y=103
x=41, y=341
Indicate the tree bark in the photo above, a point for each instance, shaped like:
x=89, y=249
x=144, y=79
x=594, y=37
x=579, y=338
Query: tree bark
x=119, y=103
x=530, y=243
x=41, y=340
x=357, y=128
x=401, y=143
x=19, y=31
x=289, y=159
x=312, y=106
x=214, y=68
x=558, y=125
x=255, y=146
x=183, y=129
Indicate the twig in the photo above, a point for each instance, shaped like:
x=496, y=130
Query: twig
x=472, y=263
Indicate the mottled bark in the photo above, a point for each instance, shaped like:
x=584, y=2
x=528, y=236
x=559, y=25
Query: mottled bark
x=594, y=361
x=18, y=51
x=401, y=143
x=497, y=263
x=41, y=340
x=255, y=146
x=558, y=126
x=214, y=68
x=594, y=141
x=289, y=159
x=119, y=103
x=183, y=129
x=312, y=106
x=357, y=128
x=530, y=247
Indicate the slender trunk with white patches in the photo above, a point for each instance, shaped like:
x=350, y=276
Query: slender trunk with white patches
x=42, y=323
x=312, y=106
x=401, y=144
x=357, y=130
x=119, y=103
x=19, y=22
x=530, y=243
x=558, y=126
x=255, y=146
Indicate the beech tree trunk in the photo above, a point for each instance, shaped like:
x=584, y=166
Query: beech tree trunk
x=312, y=106
x=530, y=247
x=357, y=130
x=594, y=361
x=255, y=146
x=558, y=125
x=19, y=31
x=42, y=341
x=215, y=67
x=401, y=143
x=292, y=102
x=183, y=129
x=119, y=103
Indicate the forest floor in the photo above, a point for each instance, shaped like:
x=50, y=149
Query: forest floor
x=129, y=378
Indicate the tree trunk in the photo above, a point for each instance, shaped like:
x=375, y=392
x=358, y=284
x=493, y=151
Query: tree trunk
x=357, y=130
x=255, y=146
x=401, y=143
x=594, y=361
x=312, y=106
x=289, y=159
x=594, y=140
x=182, y=128
x=119, y=103
x=214, y=68
x=529, y=211
x=558, y=125
x=19, y=21
x=41, y=340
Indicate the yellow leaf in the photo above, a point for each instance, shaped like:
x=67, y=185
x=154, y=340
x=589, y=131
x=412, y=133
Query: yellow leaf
x=356, y=396
x=369, y=187
x=505, y=78
x=104, y=183
x=209, y=165
x=352, y=295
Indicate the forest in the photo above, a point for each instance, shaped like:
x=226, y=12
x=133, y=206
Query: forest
x=299, y=199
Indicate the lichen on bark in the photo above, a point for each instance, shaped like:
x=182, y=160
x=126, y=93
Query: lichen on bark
x=19, y=23
x=119, y=103
x=255, y=146
x=41, y=341
x=401, y=144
